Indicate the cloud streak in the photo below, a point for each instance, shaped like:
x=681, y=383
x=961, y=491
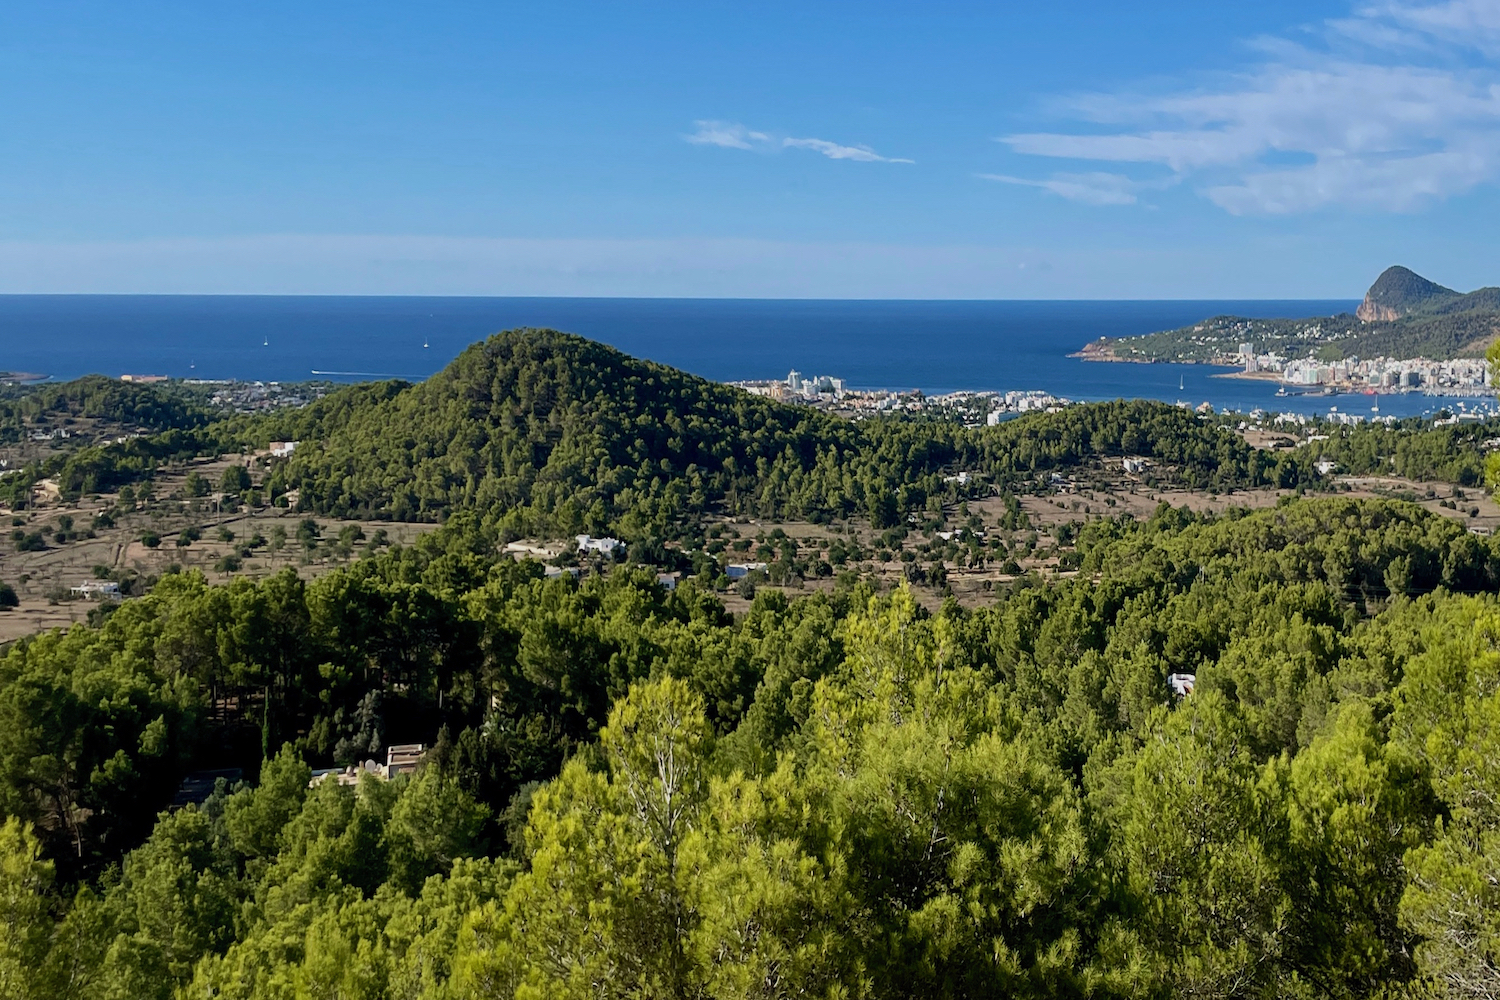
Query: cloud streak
x=728, y=135
x=834, y=151
x=733, y=135
x=1389, y=109
x=1089, y=189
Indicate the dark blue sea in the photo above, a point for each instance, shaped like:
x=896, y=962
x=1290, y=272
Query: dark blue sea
x=928, y=345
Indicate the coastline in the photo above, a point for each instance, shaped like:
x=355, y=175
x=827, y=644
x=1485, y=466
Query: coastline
x=1098, y=351
x=1101, y=350
x=1251, y=376
x=1351, y=389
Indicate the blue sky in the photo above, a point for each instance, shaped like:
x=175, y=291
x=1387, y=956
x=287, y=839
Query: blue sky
x=1066, y=150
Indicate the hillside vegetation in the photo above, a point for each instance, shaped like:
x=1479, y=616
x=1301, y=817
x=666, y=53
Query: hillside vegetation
x=1399, y=292
x=125, y=405
x=1248, y=755
x=832, y=796
x=552, y=432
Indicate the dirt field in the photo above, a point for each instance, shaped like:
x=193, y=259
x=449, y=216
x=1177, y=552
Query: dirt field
x=1072, y=503
x=1431, y=496
x=42, y=578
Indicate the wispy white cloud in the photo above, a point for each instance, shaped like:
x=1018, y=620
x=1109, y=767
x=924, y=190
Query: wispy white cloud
x=1090, y=189
x=733, y=135
x=834, y=151
x=730, y=135
x=1388, y=109
x=1460, y=23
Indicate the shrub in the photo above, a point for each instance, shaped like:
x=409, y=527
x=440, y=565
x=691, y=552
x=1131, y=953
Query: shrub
x=236, y=479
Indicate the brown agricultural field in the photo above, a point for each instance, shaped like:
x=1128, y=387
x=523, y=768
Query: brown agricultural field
x=42, y=578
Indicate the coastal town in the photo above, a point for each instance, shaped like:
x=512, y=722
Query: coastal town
x=1380, y=374
x=1456, y=377
x=973, y=408
x=251, y=396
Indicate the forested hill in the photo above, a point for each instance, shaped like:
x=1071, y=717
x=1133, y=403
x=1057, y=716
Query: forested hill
x=1400, y=291
x=125, y=404
x=1403, y=315
x=552, y=432
x=544, y=420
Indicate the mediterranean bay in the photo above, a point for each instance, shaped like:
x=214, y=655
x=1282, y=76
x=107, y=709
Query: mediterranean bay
x=932, y=345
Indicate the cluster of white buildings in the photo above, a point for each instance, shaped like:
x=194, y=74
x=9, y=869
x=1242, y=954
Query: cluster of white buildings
x=1335, y=417
x=796, y=388
x=251, y=397
x=1460, y=376
x=834, y=393
x=811, y=388
x=1024, y=402
x=995, y=406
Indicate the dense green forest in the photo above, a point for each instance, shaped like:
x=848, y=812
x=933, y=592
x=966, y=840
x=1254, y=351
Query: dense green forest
x=635, y=794
x=1247, y=755
x=1412, y=449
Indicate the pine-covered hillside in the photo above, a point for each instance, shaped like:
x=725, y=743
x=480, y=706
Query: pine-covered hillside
x=544, y=420
x=561, y=433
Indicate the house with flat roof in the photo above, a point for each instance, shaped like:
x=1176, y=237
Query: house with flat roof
x=96, y=590
x=400, y=758
x=604, y=546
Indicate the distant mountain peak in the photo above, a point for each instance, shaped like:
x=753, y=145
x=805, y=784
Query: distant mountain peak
x=1397, y=292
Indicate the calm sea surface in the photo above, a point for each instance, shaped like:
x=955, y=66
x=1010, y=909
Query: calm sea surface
x=933, y=346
